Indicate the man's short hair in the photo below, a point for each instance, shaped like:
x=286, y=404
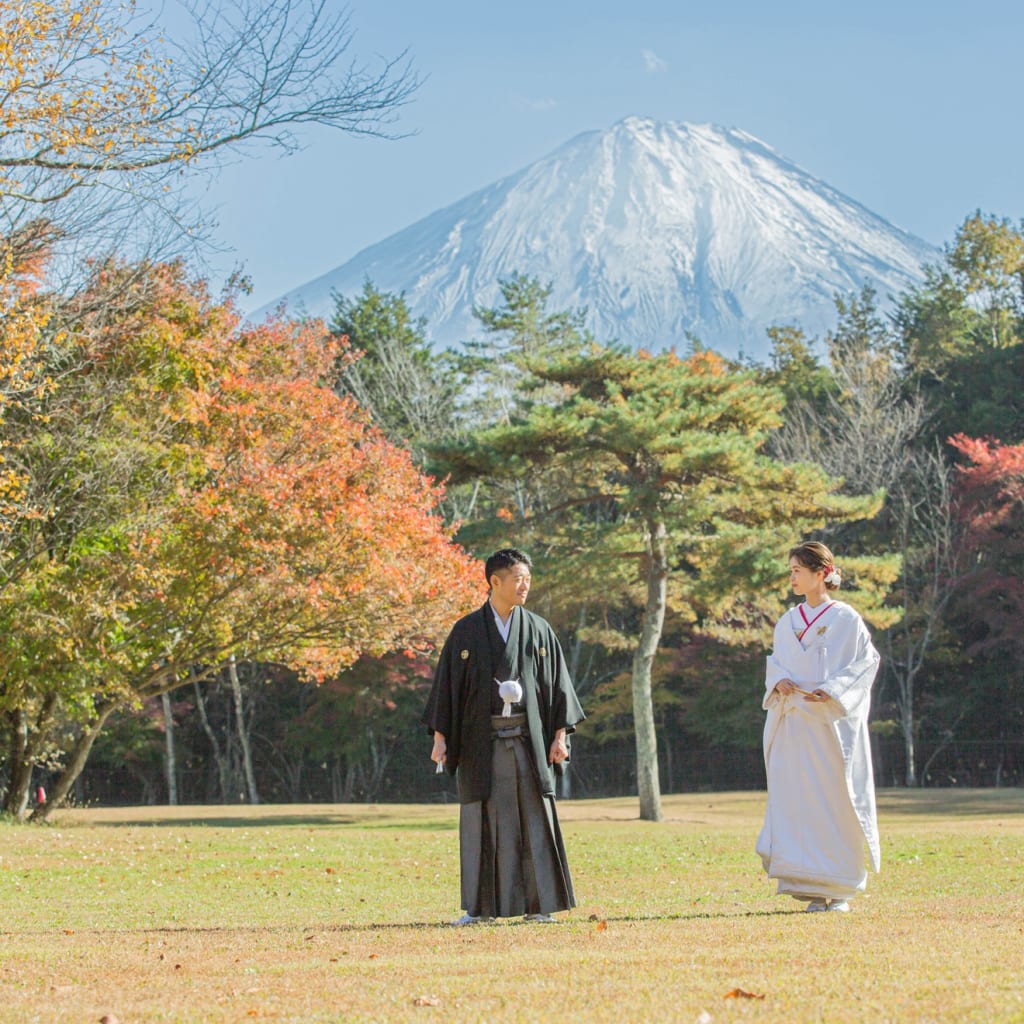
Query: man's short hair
x=505, y=559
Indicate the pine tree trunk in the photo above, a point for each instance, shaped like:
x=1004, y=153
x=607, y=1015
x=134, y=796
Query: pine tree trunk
x=648, y=788
x=73, y=768
x=243, y=732
x=170, y=767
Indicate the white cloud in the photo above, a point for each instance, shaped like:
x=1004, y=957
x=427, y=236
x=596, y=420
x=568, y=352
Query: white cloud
x=653, y=63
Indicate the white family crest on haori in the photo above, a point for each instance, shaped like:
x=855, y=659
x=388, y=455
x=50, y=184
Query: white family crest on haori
x=511, y=692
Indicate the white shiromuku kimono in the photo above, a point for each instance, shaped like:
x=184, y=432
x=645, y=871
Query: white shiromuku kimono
x=821, y=790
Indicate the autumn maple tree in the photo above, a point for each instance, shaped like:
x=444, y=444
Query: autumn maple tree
x=209, y=495
x=990, y=484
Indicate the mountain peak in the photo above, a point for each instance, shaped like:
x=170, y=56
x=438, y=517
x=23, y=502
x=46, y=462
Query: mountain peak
x=662, y=230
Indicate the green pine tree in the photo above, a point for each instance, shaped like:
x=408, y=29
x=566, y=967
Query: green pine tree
x=664, y=493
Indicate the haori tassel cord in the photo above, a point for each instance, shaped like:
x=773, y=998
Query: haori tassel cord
x=511, y=693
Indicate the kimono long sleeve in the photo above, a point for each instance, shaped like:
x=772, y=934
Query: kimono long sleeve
x=774, y=670
x=853, y=664
x=443, y=711
x=551, y=699
x=564, y=711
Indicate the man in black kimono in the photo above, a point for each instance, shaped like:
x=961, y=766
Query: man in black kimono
x=504, y=742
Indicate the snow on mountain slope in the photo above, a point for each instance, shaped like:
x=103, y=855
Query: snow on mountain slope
x=662, y=230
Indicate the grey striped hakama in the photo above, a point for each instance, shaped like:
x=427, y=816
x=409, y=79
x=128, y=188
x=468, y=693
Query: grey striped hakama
x=511, y=851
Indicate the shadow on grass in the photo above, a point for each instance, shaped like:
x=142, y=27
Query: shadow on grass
x=249, y=821
x=309, y=931
x=255, y=821
x=960, y=803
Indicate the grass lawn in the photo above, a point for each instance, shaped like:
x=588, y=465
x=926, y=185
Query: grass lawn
x=335, y=913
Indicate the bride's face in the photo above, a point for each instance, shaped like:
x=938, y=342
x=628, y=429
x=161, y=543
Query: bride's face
x=803, y=580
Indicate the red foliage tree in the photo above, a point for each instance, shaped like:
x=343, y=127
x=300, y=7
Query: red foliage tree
x=991, y=490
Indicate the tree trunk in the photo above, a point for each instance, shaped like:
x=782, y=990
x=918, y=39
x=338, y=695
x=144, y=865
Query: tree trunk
x=647, y=785
x=16, y=797
x=905, y=677
x=25, y=746
x=223, y=772
x=243, y=732
x=348, y=793
x=74, y=766
x=907, y=727
x=170, y=767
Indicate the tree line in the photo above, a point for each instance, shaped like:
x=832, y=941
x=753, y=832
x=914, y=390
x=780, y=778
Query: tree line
x=658, y=493
x=227, y=550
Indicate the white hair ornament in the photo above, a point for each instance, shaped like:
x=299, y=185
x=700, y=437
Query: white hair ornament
x=833, y=577
x=511, y=693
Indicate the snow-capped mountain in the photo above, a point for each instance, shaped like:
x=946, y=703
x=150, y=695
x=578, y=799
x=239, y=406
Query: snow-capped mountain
x=662, y=230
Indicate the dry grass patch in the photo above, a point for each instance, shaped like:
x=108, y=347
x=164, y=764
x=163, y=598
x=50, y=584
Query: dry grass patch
x=334, y=914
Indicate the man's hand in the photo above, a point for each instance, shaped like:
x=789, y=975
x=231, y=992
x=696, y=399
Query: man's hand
x=559, y=751
x=440, y=752
x=786, y=687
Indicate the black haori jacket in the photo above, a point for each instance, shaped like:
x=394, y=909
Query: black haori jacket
x=463, y=695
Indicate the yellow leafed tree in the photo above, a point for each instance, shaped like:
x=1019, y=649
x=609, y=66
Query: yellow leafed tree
x=100, y=111
x=23, y=378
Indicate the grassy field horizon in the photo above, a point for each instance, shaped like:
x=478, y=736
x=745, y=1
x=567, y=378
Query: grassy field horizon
x=338, y=912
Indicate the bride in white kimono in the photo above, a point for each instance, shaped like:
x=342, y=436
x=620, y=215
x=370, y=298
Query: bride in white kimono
x=817, y=752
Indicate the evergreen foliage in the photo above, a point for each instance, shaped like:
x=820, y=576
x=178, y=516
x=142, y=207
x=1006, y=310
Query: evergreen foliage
x=149, y=444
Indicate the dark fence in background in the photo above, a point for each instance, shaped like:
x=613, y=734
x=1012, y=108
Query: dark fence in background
x=596, y=771
x=958, y=763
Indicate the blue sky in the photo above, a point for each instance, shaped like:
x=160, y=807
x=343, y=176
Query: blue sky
x=912, y=109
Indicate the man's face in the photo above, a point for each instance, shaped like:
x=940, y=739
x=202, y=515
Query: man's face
x=511, y=586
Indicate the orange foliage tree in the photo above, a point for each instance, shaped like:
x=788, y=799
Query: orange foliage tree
x=241, y=508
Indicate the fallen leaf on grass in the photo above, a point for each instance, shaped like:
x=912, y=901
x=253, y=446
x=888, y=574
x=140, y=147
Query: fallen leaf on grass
x=738, y=993
x=109, y=1018
x=426, y=1001
x=602, y=926
x=373, y=956
x=68, y=931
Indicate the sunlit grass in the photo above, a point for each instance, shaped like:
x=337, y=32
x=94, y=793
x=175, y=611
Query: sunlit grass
x=335, y=914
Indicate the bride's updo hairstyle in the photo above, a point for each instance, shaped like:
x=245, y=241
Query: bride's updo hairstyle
x=815, y=556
